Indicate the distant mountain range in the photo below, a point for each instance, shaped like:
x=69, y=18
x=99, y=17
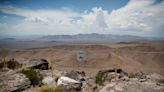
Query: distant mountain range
x=92, y=37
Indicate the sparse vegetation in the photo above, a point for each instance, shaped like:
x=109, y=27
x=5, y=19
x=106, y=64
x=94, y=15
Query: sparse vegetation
x=34, y=77
x=58, y=89
x=99, y=78
x=11, y=64
x=46, y=89
x=50, y=89
x=3, y=54
x=2, y=64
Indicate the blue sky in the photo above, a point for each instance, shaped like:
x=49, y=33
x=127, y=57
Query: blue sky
x=55, y=17
x=79, y=5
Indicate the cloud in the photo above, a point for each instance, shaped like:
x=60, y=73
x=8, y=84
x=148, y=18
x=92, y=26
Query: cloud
x=141, y=15
x=37, y=20
x=138, y=17
x=99, y=20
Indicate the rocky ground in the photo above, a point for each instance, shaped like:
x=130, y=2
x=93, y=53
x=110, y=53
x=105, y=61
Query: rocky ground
x=111, y=80
x=11, y=80
x=139, y=68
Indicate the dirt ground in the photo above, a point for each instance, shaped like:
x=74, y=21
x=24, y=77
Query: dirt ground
x=146, y=56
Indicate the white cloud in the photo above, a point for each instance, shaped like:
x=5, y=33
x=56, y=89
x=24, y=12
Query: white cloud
x=100, y=19
x=138, y=17
x=37, y=20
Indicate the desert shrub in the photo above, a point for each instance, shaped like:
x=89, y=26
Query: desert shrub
x=34, y=77
x=3, y=54
x=50, y=67
x=13, y=64
x=57, y=89
x=46, y=89
x=99, y=79
x=50, y=89
x=2, y=64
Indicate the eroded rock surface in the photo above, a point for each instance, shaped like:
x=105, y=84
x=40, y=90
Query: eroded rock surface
x=132, y=86
x=11, y=81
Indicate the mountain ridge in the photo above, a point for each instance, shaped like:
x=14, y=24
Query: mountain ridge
x=92, y=37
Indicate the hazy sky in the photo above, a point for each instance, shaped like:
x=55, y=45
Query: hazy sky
x=53, y=17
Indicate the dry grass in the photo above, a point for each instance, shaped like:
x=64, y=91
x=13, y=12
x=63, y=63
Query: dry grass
x=46, y=88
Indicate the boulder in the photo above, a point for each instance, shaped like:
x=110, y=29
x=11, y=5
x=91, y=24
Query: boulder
x=156, y=77
x=74, y=75
x=125, y=78
x=11, y=81
x=90, y=84
x=141, y=75
x=111, y=75
x=37, y=64
x=46, y=73
x=48, y=80
x=142, y=80
x=66, y=81
x=108, y=88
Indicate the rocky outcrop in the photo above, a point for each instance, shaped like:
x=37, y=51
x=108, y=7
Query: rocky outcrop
x=132, y=86
x=72, y=80
x=11, y=81
x=75, y=81
x=140, y=82
x=37, y=64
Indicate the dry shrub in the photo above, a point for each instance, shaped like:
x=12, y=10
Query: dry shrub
x=46, y=88
x=34, y=77
x=11, y=64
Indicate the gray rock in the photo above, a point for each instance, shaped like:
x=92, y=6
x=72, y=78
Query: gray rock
x=125, y=78
x=13, y=81
x=134, y=79
x=72, y=74
x=156, y=77
x=91, y=84
x=48, y=80
x=37, y=64
x=108, y=88
x=142, y=80
x=112, y=75
x=69, y=83
x=132, y=86
x=141, y=75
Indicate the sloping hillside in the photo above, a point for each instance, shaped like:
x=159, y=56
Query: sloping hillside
x=132, y=57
